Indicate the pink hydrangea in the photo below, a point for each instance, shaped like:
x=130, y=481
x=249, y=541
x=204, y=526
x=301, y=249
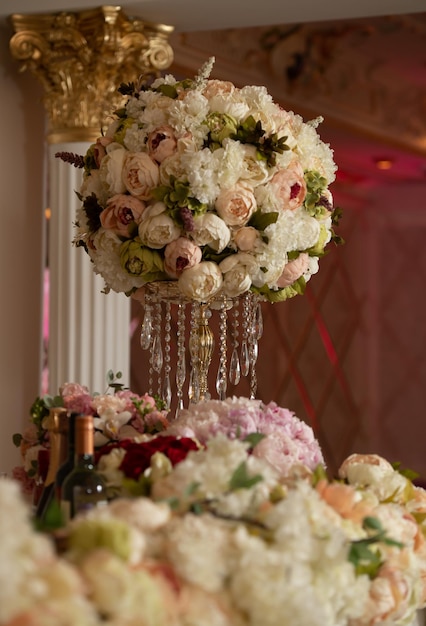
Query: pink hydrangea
x=288, y=439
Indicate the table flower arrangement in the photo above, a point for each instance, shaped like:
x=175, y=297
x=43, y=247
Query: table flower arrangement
x=118, y=413
x=221, y=537
x=212, y=186
x=224, y=516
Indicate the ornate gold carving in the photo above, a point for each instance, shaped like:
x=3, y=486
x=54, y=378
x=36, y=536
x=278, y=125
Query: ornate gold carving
x=81, y=59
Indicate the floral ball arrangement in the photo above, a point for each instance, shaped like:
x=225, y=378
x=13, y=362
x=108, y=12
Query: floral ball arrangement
x=212, y=186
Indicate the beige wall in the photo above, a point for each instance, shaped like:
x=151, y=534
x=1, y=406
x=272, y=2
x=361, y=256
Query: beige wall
x=21, y=249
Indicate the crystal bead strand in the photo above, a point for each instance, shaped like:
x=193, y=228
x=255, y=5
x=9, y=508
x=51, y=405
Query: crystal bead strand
x=245, y=356
x=221, y=372
x=234, y=367
x=166, y=391
x=181, y=361
x=157, y=351
x=149, y=327
x=194, y=383
x=253, y=344
x=146, y=327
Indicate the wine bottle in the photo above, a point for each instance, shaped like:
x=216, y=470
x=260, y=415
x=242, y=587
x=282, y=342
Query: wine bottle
x=83, y=488
x=56, y=426
x=68, y=465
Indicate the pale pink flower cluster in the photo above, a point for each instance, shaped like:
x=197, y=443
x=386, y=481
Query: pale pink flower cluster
x=186, y=176
x=288, y=440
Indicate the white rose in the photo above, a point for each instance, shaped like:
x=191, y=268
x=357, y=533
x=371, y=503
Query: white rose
x=157, y=229
x=111, y=169
x=209, y=229
x=237, y=271
x=201, y=282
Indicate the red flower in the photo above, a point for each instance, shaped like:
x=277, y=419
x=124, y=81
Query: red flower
x=138, y=455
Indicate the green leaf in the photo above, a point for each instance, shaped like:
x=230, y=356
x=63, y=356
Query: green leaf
x=318, y=474
x=260, y=221
x=17, y=439
x=192, y=488
x=372, y=523
x=253, y=439
x=240, y=479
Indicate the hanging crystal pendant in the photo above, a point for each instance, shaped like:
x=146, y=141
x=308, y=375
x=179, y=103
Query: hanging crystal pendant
x=235, y=368
x=146, y=329
x=166, y=391
x=157, y=354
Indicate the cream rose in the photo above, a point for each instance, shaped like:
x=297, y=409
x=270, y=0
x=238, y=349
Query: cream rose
x=235, y=206
x=201, y=282
x=161, y=143
x=245, y=238
x=140, y=174
x=237, y=271
x=293, y=270
x=210, y=230
x=180, y=255
x=121, y=211
x=288, y=187
x=111, y=169
x=157, y=229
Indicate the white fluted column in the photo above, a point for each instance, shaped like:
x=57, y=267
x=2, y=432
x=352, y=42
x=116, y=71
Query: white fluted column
x=88, y=329
x=81, y=58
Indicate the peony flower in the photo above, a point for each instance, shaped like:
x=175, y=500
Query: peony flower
x=209, y=229
x=161, y=143
x=157, y=229
x=237, y=273
x=139, y=174
x=293, y=270
x=236, y=206
x=201, y=282
x=179, y=255
x=289, y=187
x=120, y=213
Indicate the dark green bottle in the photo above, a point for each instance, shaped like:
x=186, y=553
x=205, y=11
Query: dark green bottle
x=68, y=465
x=83, y=488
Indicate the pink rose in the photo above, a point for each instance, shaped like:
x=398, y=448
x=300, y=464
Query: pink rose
x=289, y=187
x=161, y=143
x=140, y=174
x=235, y=206
x=179, y=255
x=99, y=149
x=121, y=211
x=245, y=238
x=293, y=270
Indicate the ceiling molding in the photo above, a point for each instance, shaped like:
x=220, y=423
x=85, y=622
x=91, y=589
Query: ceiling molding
x=365, y=75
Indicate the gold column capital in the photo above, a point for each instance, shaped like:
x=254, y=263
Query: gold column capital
x=82, y=58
